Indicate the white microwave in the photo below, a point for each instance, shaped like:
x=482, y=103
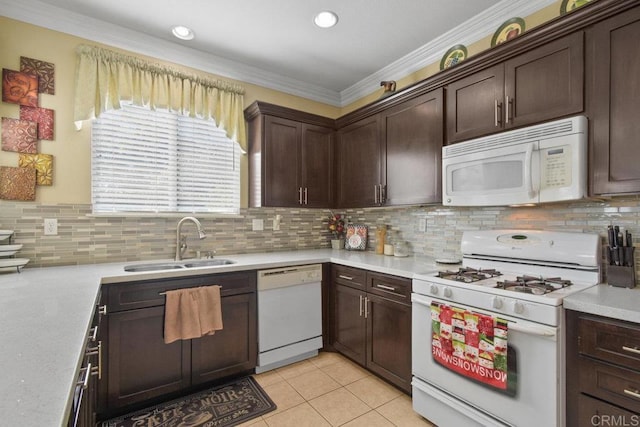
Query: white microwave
x=536, y=164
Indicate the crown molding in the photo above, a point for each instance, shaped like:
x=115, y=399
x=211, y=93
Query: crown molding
x=54, y=18
x=468, y=32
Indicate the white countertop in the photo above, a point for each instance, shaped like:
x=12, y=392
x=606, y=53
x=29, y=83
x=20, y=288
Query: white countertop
x=608, y=301
x=45, y=314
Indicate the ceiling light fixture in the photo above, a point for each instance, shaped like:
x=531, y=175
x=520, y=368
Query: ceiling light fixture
x=182, y=32
x=326, y=19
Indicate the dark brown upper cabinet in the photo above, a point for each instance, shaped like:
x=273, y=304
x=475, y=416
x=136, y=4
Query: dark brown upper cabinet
x=542, y=84
x=290, y=157
x=613, y=55
x=392, y=157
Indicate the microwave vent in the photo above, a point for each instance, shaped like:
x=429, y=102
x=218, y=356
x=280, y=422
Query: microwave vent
x=519, y=136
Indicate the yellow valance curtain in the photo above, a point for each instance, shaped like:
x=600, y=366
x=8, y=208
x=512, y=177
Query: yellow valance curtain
x=104, y=77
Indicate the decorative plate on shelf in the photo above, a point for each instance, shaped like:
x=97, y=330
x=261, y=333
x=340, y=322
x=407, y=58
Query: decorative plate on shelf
x=509, y=29
x=356, y=237
x=454, y=55
x=569, y=5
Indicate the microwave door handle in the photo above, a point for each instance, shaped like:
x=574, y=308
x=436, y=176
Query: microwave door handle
x=528, y=181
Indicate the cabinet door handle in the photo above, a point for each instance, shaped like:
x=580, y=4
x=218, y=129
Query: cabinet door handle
x=360, y=306
x=366, y=307
x=506, y=108
x=93, y=334
x=306, y=191
x=375, y=194
x=84, y=382
x=102, y=309
x=92, y=351
x=386, y=288
x=631, y=349
x=300, y=195
x=497, y=106
x=342, y=276
x=634, y=393
x=383, y=193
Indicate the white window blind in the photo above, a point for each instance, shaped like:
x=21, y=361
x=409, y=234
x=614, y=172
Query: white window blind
x=158, y=161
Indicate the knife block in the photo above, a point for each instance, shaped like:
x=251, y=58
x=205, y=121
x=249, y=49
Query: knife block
x=623, y=276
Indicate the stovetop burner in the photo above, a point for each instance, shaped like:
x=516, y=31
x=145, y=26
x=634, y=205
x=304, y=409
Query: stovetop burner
x=533, y=285
x=469, y=275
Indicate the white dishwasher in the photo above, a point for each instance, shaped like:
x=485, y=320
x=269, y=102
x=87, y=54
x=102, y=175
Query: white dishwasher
x=289, y=315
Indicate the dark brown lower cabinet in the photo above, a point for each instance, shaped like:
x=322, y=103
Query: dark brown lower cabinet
x=372, y=322
x=140, y=369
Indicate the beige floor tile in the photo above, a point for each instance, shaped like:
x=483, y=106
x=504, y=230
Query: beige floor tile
x=284, y=396
x=373, y=391
x=299, y=416
x=325, y=358
x=400, y=412
x=345, y=372
x=339, y=406
x=256, y=422
x=313, y=384
x=370, y=419
x=296, y=369
x=268, y=378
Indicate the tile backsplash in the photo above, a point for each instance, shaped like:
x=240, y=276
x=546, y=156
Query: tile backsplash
x=84, y=239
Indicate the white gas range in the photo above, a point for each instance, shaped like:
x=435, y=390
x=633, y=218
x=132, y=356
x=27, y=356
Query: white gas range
x=488, y=337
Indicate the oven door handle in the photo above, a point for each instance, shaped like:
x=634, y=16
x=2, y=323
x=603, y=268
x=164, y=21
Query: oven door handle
x=516, y=325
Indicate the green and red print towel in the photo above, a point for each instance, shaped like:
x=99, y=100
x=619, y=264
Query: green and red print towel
x=469, y=343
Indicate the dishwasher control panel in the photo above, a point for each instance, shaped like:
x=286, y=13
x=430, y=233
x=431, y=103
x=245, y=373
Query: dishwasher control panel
x=289, y=276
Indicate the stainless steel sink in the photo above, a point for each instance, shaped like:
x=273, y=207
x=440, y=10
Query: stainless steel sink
x=208, y=262
x=178, y=265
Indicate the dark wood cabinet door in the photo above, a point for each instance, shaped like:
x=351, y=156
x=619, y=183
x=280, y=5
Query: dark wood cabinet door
x=359, y=163
x=545, y=83
x=316, y=165
x=389, y=340
x=414, y=133
x=349, y=323
x=614, y=93
x=233, y=349
x=475, y=104
x=140, y=365
x=281, y=162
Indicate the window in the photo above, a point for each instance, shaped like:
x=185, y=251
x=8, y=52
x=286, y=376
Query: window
x=158, y=161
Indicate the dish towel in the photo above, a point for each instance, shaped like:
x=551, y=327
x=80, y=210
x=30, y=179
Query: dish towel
x=192, y=313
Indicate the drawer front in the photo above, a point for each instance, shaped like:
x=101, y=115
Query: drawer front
x=593, y=412
x=610, y=341
x=349, y=276
x=134, y=295
x=392, y=287
x=614, y=384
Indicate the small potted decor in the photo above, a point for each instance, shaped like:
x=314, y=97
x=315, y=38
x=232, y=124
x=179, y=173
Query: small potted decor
x=336, y=227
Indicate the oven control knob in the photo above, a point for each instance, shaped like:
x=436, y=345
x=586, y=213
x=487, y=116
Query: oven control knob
x=518, y=307
x=447, y=292
x=496, y=302
x=434, y=289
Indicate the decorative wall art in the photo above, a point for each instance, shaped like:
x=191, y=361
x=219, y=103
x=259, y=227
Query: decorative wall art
x=19, y=135
x=43, y=70
x=454, y=55
x=42, y=116
x=42, y=163
x=17, y=183
x=569, y=5
x=509, y=29
x=356, y=237
x=19, y=88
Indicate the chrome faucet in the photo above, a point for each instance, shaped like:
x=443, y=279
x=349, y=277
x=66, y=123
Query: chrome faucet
x=181, y=241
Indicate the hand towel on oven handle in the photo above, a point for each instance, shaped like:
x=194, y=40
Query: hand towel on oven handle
x=470, y=344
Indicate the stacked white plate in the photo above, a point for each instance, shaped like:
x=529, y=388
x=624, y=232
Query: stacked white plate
x=8, y=250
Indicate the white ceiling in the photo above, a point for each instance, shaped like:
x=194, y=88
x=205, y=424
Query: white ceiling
x=274, y=43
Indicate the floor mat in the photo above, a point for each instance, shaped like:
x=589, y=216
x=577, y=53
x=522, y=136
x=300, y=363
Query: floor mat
x=226, y=405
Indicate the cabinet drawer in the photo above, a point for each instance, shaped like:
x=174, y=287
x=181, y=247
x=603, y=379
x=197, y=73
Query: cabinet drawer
x=392, y=287
x=614, y=384
x=593, y=412
x=349, y=276
x=611, y=341
x=141, y=294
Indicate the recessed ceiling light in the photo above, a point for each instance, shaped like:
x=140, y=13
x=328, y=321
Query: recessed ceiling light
x=326, y=19
x=182, y=32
